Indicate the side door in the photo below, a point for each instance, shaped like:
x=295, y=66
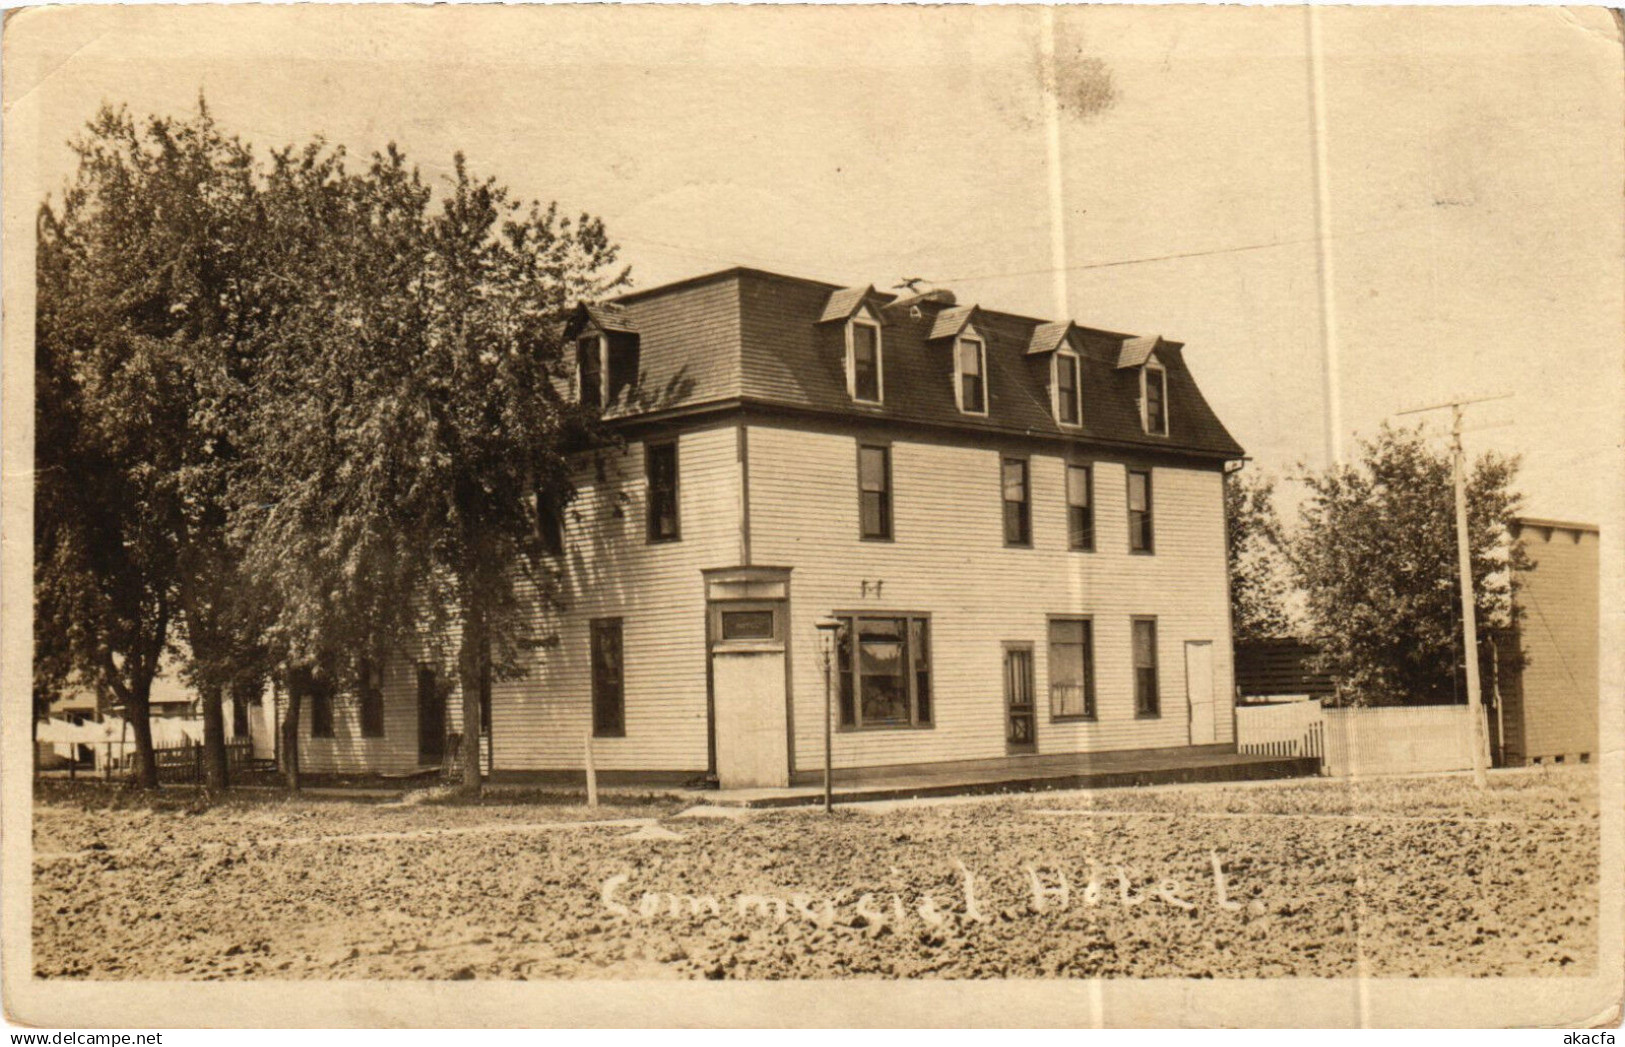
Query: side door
x=1199, y=691
x=1020, y=711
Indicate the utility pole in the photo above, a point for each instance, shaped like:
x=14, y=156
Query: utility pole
x=1464, y=564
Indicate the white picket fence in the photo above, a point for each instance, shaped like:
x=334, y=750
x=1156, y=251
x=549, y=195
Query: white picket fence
x=1289, y=729
x=1360, y=741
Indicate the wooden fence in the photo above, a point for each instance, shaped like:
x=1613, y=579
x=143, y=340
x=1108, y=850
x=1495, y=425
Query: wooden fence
x=1398, y=740
x=1360, y=741
x=183, y=764
x=1288, y=729
x=1276, y=667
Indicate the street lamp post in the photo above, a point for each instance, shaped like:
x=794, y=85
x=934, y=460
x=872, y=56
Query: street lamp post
x=828, y=630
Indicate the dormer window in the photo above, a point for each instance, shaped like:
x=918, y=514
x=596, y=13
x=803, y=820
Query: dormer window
x=1068, y=394
x=970, y=364
x=1154, y=399
x=590, y=369
x=606, y=365
x=865, y=381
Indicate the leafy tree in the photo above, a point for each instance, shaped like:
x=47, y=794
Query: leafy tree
x=408, y=410
x=136, y=279
x=1376, y=557
x=1255, y=549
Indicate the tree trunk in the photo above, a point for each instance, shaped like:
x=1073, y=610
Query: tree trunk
x=215, y=770
x=137, y=713
x=290, y=735
x=471, y=659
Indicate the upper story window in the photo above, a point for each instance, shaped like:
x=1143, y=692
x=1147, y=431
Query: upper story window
x=970, y=368
x=606, y=366
x=1080, y=508
x=1018, y=515
x=590, y=369
x=1068, y=394
x=865, y=380
x=1139, y=510
x=660, y=474
x=1154, y=397
x=874, y=491
x=549, y=524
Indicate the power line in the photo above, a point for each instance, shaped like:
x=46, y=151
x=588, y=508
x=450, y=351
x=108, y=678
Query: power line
x=1040, y=271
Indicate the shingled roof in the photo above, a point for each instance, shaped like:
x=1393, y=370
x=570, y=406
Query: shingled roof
x=606, y=316
x=748, y=337
x=844, y=303
x=1138, y=350
x=1048, y=337
x=951, y=322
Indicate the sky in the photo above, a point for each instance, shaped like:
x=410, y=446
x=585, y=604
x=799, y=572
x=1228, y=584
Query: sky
x=1435, y=205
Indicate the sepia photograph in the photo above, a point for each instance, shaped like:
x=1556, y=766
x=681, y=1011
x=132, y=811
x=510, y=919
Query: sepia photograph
x=1085, y=516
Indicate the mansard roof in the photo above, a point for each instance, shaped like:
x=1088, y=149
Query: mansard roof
x=753, y=338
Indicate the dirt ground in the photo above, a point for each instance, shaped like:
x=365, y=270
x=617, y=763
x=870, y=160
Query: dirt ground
x=1387, y=878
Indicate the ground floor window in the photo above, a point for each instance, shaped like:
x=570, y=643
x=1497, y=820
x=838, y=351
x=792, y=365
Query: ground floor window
x=884, y=665
x=608, y=692
x=371, y=685
x=318, y=690
x=1071, y=668
x=1146, y=701
x=239, y=712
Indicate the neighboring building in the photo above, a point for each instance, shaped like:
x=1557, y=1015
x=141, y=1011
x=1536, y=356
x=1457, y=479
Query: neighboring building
x=1020, y=524
x=1550, y=706
x=1280, y=670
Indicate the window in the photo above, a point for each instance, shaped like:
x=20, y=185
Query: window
x=1156, y=400
x=747, y=625
x=608, y=693
x=485, y=700
x=1146, y=702
x=1071, y=669
x=971, y=357
x=1017, y=505
x=1139, y=510
x=1080, y=510
x=874, y=491
x=371, y=686
x=590, y=370
x=660, y=469
x=320, y=693
x=1068, y=410
x=884, y=664
x=549, y=525
x=863, y=348
x=239, y=712
x=622, y=366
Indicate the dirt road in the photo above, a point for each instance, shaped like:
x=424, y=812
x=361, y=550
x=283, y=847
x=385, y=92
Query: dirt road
x=1387, y=878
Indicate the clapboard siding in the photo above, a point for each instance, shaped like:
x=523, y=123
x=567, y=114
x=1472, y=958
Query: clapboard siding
x=1558, y=632
x=347, y=752
x=948, y=559
x=609, y=570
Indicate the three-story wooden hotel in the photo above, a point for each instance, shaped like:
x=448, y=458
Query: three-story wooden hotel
x=1018, y=522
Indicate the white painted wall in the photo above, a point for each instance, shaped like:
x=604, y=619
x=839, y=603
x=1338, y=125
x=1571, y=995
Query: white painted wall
x=949, y=559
